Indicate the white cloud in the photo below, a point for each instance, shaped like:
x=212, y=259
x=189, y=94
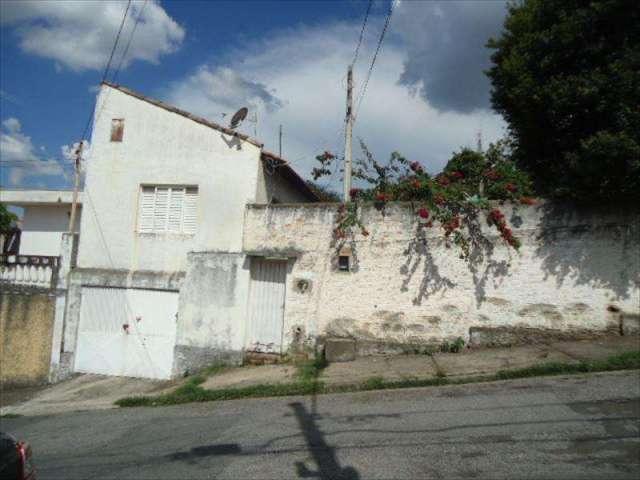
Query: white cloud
x=79, y=34
x=18, y=155
x=304, y=69
x=223, y=86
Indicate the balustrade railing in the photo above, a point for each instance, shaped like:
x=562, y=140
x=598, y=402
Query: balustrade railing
x=31, y=270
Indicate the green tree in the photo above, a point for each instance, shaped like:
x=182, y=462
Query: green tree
x=492, y=174
x=566, y=77
x=7, y=219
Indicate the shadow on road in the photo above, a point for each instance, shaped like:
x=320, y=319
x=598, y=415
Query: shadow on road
x=323, y=454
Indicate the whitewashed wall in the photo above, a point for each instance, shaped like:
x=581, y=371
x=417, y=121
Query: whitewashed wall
x=572, y=269
x=160, y=147
x=42, y=229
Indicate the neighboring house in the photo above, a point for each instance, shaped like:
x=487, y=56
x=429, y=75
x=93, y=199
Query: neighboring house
x=162, y=283
x=34, y=270
x=45, y=218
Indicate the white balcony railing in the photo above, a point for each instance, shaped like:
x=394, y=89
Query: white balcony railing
x=30, y=270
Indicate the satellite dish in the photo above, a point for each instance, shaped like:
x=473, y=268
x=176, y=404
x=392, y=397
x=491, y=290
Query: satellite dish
x=238, y=117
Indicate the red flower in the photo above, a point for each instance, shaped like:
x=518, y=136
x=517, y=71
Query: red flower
x=424, y=213
x=511, y=187
x=416, y=184
x=458, y=174
x=381, y=197
x=353, y=192
x=328, y=155
x=527, y=201
x=443, y=180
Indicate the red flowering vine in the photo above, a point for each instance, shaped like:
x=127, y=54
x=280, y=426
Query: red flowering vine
x=455, y=200
x=496, y=217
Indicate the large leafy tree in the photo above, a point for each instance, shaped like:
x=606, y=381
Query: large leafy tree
x=566, y=77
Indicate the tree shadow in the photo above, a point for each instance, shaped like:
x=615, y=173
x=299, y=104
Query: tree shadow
x=594, y=246
x=419, y=257
x=480, y=262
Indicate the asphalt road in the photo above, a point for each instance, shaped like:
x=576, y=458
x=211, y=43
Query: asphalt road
x=560, y=428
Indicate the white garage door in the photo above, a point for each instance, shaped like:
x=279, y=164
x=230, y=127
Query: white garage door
x=127, y=332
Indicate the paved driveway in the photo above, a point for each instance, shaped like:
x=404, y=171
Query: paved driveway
x=82, y=392
x=573, y=427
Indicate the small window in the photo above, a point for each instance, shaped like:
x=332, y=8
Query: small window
x=117, y=129
x=168, y=209
x=343, y=263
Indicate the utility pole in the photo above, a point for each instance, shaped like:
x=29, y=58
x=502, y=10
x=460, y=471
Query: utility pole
x=76, y=187
x=280, y=142
x=347, y=146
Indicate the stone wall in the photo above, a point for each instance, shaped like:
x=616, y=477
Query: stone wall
x=26, y=324
x=578, y=271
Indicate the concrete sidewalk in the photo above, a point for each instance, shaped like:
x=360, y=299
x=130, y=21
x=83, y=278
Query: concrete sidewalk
x=469, y=362
x=95, y=392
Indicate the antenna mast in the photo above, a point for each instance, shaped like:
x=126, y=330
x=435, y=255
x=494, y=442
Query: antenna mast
x=347, y=146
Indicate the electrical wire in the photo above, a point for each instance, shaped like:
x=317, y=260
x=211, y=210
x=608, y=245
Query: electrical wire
x=364, y=24
x=375, y=56
x=107, y=66
x=114, y=79
x=115, y=43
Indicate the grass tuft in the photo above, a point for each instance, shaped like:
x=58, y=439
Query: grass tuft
x=308, y=373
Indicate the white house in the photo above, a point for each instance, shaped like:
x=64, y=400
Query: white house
x=162, y=283
x=45, y=218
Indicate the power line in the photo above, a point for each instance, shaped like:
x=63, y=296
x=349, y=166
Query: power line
x=375, y=56
x=107, y=66
x=364, y=24
x=115, y=44
x=126, y=49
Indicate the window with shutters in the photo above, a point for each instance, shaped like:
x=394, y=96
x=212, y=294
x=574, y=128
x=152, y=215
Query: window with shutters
x=168, y=209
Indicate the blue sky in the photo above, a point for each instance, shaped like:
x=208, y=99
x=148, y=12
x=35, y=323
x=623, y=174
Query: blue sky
x=285, y=60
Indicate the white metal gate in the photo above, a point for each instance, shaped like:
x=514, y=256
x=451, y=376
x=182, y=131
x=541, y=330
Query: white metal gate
x=127, y=332
x=266, y=308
